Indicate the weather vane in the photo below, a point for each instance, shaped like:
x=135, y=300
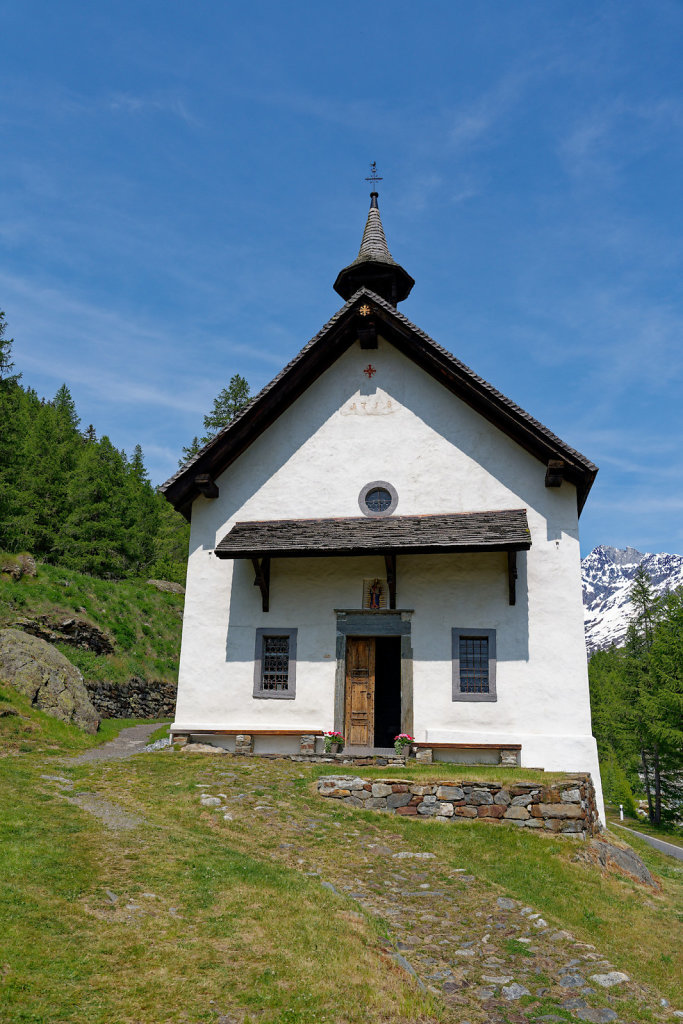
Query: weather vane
x=373, y=172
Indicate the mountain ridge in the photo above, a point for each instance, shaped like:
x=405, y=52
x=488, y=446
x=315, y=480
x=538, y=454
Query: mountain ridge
x=607, y=575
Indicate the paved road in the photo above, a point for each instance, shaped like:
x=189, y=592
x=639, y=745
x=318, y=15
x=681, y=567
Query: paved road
x=658, y=844
x=128, y=742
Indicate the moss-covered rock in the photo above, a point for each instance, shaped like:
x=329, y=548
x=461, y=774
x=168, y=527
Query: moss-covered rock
x=44, y=675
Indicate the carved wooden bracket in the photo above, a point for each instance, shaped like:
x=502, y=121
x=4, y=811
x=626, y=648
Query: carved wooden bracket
x=512, y=577
x=206, y=486
x=554, y=474
x=262, y=580
x=390, y=562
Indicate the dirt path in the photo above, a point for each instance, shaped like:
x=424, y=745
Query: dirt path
x=132, y=740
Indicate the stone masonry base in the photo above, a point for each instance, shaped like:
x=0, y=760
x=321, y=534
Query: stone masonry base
x=566, y=807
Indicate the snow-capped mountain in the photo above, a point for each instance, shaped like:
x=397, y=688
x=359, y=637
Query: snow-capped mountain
x=607, y=579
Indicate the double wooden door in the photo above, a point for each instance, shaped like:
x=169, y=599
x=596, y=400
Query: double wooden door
x=360, y=691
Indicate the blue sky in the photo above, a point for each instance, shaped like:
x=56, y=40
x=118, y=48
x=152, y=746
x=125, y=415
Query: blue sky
x=182, y=182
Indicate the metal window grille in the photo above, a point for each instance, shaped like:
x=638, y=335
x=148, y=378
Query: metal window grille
x=378, y=500
x=275, y=663
x=474, y=664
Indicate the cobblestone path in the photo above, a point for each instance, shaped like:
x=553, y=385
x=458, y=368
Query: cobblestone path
x=489, y=958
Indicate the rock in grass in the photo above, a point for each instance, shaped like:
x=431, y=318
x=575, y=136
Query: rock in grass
x=42, y=673
x=612, y=978
x=597, y=1016
x=624, y=859
x=515, y=991
x=166, y=586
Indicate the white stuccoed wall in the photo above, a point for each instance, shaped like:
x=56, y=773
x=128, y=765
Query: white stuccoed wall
x=440, y=456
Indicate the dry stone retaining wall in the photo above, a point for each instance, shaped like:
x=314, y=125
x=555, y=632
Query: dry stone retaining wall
x=567, y=806
x=135, y=698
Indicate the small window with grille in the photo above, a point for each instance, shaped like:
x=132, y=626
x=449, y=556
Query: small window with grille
x=474, y=664
x=275, y=663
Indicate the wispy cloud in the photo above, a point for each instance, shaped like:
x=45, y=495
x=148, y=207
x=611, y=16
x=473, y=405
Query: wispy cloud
x=127, y=103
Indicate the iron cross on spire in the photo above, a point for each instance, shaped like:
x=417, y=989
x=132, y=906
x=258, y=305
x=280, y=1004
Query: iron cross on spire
x=373, y=172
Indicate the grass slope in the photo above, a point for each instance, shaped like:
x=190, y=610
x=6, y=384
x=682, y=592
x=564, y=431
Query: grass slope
x=214, y=917
x=144, y=623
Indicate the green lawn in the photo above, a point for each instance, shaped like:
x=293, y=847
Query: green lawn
x=222, y=917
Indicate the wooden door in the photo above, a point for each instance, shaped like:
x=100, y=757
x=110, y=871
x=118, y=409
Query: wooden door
x=360, y=691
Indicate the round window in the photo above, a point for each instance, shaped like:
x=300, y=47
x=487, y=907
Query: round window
x=378, y=499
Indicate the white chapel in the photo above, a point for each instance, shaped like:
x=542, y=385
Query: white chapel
x=382, y=542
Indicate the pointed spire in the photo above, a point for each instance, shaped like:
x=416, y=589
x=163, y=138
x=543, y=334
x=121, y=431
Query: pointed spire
x=374, y=267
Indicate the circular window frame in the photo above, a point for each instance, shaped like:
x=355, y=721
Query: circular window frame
x=371, y=487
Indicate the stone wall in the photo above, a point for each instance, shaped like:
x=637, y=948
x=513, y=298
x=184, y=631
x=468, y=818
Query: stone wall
x=136, y=698
x=567, y=806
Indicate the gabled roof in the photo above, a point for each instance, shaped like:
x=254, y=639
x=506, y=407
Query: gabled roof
x=503, y=530
x=338, y=334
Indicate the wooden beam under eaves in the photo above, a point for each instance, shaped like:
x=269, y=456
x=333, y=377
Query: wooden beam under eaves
x=390, y=563
x=512, y=577
x=206, y=486
x=554, y=474
x=262, y=580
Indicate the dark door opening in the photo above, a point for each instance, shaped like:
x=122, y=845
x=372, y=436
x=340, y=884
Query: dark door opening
x=387, y=689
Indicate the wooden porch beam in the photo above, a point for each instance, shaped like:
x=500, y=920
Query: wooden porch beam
x=390, y=562
x=512, y=577
x=262, y=580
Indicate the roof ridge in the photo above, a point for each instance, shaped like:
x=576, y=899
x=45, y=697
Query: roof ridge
x=365, y=292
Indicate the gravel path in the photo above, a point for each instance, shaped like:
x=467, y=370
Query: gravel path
x=658, y=844
x=132, y=740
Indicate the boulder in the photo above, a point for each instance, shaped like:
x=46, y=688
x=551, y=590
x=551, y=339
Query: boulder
x=624, y=859
x=42, y=673
x=166, y=586
x=66, y=630
x=17, y=566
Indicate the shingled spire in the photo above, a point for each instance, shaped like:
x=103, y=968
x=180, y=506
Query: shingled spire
x=374, y=267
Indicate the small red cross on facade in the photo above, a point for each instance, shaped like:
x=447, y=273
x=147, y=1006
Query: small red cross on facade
x=369, y=370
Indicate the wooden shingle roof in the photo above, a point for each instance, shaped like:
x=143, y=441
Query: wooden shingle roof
x=338, y=334
x=504, y=530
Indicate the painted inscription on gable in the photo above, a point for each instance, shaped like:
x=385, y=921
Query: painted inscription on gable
x=379, y=404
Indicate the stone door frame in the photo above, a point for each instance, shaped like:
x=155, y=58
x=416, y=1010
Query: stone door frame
x=353, y=622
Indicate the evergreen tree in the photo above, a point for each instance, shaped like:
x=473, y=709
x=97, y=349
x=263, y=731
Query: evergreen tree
x=49, y=455
x=226, y=406
x=95, y=538
x=6, y=364
x=142, y=517
x=662, y=703
x=171, y=544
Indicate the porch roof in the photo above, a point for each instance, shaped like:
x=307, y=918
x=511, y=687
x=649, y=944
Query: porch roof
x=502, y=530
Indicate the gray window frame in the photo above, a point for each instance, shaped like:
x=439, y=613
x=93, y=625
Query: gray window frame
x=458, y=695
x=371, y=487
x=259, y=692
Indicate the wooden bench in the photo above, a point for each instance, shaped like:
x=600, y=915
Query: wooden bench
x=247, y=745
x=425, y=749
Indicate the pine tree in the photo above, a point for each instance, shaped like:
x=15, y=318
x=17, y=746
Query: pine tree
x=95, y=538
x=6, y=364
x=49, y=455
x=191, y=450
x=227, y=404
x=662, y=703
x=638, y=686
x=142, y=518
